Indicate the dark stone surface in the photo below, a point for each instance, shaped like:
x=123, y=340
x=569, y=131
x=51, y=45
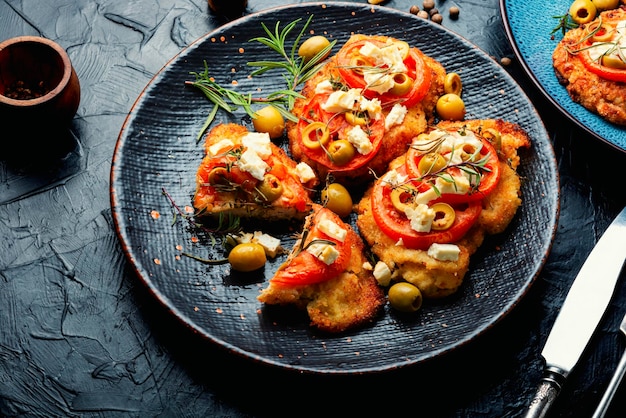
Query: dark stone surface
x=80, y=336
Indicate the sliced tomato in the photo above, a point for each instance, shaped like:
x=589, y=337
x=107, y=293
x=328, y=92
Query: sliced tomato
x=305, y=268
x=338, y=126
x=489, y=176
x=608, y=73
x=397, y=226
x=297, y=196
x=417, y=70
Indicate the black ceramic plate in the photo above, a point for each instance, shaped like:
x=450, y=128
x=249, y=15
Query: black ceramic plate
x=157, y=152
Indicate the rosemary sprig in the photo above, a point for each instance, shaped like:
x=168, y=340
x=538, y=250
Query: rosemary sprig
x=295, y=72
x=565, y=23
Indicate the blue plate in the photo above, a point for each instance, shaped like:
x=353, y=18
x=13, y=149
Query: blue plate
x=529, y=26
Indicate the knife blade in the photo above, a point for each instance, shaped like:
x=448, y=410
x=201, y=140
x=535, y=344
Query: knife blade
x=582, y=310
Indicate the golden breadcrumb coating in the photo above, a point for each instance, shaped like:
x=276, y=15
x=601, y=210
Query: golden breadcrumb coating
x=605, y=97
x=293, y=203
x=396, y=139
x=351, y=299
x=437, y=278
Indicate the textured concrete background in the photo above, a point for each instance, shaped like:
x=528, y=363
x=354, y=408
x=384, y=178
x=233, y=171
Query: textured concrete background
x=79, y=336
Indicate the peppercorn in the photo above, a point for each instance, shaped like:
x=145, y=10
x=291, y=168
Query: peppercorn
x=414, y=9
x=437, y=18
x=454, y=12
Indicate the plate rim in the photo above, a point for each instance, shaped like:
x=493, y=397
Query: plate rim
x=190, y=324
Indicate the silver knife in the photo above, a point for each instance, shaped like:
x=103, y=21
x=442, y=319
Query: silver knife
x=580, y=314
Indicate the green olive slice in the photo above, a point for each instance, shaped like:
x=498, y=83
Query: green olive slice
x=403, y=47
x=444, y=216
x=452, y=84
x=402, y=84
x=494, y=137
x=402, y=197
x=601, y=32
x=356, y=118
x=218, y=175
x=613, y=61
x=315, y=135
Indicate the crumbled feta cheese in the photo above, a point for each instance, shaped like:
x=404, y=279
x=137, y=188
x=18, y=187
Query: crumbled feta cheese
x=220, y=147
x=444, y=252
x=395, y=116
x=379, y=82
x=304, y=172
x=357, y=137
x=394, y=179
x=333, y=230
x=388, y=57
x=382, y=273
x=421, y=217
x=373, y=107
x=252, y=163
x=270, y=244
x=259, y=142
x=324, y=252
x=324, y=87
x=340, y=101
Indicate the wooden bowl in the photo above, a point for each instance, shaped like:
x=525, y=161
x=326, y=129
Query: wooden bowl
x=38, y=85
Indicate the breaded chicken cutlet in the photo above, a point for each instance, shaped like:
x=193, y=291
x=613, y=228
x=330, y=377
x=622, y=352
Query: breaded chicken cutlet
x=244, y=174
x=418, y=257
x=363, y=108
x=587, y=63
x=325, y=275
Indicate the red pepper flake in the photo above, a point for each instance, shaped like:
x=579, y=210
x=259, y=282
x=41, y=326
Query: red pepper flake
x=196, y=309
x=157, y=261
x=241, y=50
x=155, y=214
x=219, y=310
x=234, y=82
x=222, y=38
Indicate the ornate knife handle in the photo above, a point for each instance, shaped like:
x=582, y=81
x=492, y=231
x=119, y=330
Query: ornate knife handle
x=547, y=391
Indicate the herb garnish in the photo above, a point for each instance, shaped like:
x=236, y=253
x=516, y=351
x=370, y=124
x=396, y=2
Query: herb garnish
x=565, y=23
x=296, y=72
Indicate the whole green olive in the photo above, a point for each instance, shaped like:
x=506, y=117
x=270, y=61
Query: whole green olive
x=313, y=46
x=452, y=84
x=341, y=151
x=451, y=107
x=605, y=4
x=405, y=297
x=337, y=198
x=247, y=257
x=269, y=120
x=271, y=188
x=402, y=84
x=583, y=11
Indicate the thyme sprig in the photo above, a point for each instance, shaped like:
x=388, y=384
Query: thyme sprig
x=295, y=71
